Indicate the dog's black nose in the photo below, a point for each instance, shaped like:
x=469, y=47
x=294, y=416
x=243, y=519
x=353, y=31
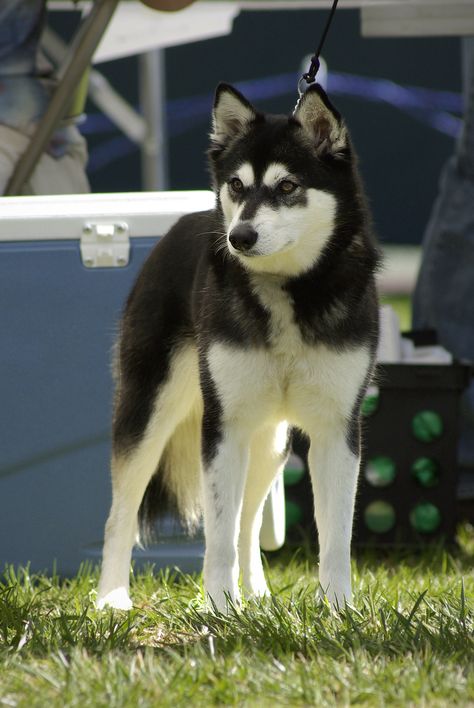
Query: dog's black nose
x=243, y=237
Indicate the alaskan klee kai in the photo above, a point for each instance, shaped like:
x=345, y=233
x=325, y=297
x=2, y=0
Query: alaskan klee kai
x=245, y=320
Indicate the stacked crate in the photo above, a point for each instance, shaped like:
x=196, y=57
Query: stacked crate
x=408, y=479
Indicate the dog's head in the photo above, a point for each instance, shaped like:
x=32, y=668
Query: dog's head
x=280, y=181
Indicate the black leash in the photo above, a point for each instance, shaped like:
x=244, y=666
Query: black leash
x=310, y=75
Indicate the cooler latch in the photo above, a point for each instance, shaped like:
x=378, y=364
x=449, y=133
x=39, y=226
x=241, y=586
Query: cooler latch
x=105, y=245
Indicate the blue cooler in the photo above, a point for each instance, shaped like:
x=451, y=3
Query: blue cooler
x=67, y=264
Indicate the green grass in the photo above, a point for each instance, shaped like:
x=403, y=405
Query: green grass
x=408, y=640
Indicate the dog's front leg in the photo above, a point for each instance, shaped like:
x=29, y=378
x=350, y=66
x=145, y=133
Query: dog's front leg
x=334, y=468
x=225, y=468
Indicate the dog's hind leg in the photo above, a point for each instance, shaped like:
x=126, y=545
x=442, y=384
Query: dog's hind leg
x=130, y=476
x=268, y=454
x=132, y=469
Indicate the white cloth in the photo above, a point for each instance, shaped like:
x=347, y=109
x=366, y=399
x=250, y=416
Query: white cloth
x=63, y=175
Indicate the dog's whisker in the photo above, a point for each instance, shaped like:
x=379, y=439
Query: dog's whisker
x=221, y=248
x=210, y=233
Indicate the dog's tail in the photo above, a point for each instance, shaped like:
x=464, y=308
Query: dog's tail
x=176, y=485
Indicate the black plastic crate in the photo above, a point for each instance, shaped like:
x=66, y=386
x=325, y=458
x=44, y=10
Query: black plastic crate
x=408, y=480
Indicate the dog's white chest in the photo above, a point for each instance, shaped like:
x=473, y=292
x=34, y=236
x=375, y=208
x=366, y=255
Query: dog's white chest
x=289, y=379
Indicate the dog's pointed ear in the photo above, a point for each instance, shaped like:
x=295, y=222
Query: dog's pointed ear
x=231, y=116
x=321, y=122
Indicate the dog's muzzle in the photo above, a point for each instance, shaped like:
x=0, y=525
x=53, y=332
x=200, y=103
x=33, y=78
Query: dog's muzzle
x=243, y=237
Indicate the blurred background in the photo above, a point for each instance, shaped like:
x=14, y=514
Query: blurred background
x=395, y=94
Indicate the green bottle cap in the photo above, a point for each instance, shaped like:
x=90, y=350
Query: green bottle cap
x=379, y=516
x=293, y=513
x=425, y=517
x=294, y=470
x=426, y=471
x=380, y=471
x=427, y=426
x=371, y=402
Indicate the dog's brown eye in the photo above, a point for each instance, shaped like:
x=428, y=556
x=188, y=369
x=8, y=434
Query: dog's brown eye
x=287, y=187
x=236, y=184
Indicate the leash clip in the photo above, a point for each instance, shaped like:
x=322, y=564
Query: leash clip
x=309, y=77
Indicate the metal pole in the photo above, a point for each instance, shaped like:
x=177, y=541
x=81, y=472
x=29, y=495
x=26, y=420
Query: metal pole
x=152, y=101
x=100, y=91
x=78, y=59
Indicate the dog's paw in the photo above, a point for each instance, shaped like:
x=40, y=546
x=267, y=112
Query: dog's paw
x=117, y=599
x=256, y=588
x=222, y=601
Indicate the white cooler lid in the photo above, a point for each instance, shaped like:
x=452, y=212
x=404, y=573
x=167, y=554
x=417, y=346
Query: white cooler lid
x=57, y=217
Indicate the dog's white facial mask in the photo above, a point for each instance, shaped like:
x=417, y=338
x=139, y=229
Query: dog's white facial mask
x=290, y=238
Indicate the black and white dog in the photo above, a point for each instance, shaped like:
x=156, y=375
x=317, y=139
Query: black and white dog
x=258, y=315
